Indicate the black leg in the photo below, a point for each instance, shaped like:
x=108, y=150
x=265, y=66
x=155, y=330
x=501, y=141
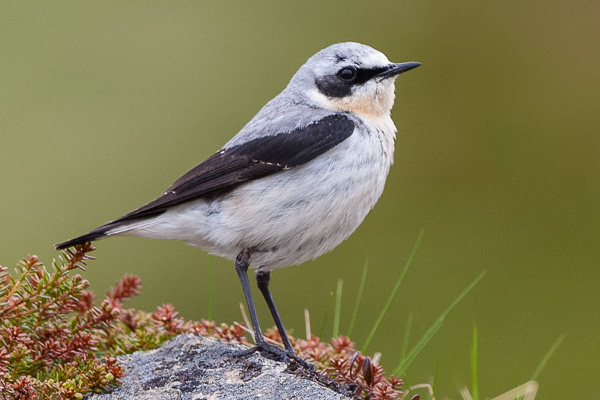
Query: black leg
x=242, y=262
x=262, y=281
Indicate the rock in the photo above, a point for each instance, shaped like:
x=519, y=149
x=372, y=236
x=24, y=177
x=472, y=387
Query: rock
x=194, y=367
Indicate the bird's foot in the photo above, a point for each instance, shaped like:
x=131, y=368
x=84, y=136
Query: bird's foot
x=273, y=353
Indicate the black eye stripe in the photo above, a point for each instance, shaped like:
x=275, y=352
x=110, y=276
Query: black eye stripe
x=364, y=74
x=336, y=86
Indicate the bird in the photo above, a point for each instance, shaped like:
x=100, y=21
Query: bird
x=295, y=182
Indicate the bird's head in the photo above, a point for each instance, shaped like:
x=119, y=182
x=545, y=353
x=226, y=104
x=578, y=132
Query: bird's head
x=350, y=77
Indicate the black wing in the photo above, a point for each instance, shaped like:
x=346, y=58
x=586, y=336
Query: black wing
x=229, y=168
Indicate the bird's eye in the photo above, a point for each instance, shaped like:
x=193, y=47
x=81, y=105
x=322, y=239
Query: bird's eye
x=347, y=73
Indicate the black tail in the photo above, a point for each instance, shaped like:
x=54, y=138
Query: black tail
x=100, y=232
x=97, y=233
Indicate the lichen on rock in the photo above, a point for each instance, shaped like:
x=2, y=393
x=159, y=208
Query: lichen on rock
x=195, y=367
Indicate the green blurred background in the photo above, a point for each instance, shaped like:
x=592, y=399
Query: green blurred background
x=104, y=104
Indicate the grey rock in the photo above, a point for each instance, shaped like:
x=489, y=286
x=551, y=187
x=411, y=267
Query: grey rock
x=192, y=367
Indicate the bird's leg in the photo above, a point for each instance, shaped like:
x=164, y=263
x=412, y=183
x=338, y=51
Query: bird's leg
x=242, y=262
x=262, y=281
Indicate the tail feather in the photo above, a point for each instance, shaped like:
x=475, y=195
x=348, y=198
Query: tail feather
x=96, y=234
x=113, y=228
x=116, y=227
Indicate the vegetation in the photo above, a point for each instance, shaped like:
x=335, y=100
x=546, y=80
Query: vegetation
x=55, y=343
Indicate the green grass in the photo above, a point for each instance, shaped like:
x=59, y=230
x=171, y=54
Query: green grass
x=433, y=329
x=547, y=356
x=408, y=356
x=393, y=292
x=338, y=308
x=474, y=387
x=361, y=286
x=326, y=315
x=524, y=391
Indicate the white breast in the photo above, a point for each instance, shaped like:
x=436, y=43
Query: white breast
x=298, y=214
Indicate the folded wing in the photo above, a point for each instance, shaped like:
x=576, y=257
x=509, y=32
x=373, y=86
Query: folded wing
x=233, y=166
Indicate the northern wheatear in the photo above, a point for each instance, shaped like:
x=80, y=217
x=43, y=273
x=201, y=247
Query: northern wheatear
x=293, y=184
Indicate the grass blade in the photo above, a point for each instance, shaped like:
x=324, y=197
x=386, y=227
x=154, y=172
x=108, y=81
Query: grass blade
x=430, y=333
x=358, y=297
x=474, y=388
x=435, y=380
x=337, y=309
x=404, y=347
x=326, y=316
x=393, y=293
x=544, y=361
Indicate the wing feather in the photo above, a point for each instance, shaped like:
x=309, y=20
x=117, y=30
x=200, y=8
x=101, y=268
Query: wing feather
x=233, y=166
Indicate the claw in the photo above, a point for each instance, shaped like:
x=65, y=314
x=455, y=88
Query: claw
x=273, y=353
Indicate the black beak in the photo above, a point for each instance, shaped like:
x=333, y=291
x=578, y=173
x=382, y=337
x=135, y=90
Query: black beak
x=396, y=69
